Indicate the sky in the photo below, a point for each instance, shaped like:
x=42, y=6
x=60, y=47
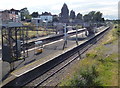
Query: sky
x=109, y=8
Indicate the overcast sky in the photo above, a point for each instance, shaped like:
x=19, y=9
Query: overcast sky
x=109, y=8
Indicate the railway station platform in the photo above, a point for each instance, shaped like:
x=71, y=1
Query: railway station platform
x=50, y=51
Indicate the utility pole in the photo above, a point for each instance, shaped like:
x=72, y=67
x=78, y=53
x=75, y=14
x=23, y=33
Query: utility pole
x=37, y=35
x=65, y=36
x=77, y=43
x=77, y=36
x=45, y=26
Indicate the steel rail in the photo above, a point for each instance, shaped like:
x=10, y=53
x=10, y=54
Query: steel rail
x=34, y=74
x=83, y=49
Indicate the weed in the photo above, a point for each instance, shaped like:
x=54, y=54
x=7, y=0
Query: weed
x=98, y=68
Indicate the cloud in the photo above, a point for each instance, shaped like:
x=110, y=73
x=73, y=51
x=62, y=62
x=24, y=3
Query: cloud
x=108, y=7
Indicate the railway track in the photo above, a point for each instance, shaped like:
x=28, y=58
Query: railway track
x=41, y=74
x=49, y=76
x=53, y=81
x=31, y=43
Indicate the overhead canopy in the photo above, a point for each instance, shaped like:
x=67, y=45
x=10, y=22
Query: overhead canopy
x=13, y=24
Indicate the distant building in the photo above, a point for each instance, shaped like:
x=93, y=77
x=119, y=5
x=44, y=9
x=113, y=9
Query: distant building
x=36, y=21
x=46, y=17
x=11, y=15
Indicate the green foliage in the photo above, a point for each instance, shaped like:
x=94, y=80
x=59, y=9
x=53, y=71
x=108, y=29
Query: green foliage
x=65, y=11
x=116, y=30
x=91, y=55
x=98, y=74
x=108, y=59
x=72, y=14
x=107, y=70
x=85, y=77
x=35, y=14
x=28, y=16
x=99, y=68
x=55, y=19
x=90, y=74
x=78, y=81
x=93, y=16
x=79, y=16
x=113, y=35
x=86, y=18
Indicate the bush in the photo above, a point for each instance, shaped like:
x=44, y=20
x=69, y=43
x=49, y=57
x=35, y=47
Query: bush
x=90, y=74
x=86, y=77
x=91, y=55
x=116, y=31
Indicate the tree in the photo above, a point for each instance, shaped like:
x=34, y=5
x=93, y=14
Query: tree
x=24, y=12
x=55, y=18
x=35, y=14
x=91, y=15
x=65, y=12
x=86, y=18
x=79, y=16
x=28, y=17
x=72, y=14
x=98, y=16
x=103, y=19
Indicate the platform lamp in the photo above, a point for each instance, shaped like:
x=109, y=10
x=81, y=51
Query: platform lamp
x=65, y=35
x=37, y=26
x=45, y=21
x=77, y=43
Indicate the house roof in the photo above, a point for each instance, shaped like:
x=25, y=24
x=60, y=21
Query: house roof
x=14, y=10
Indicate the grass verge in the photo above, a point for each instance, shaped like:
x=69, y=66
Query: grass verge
x=99, y=68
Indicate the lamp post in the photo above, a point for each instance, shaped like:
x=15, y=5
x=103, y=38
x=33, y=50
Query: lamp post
x=77, y=43
x=37, y=27
x=65, y=36
x=77, y=36
x=46, y=21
